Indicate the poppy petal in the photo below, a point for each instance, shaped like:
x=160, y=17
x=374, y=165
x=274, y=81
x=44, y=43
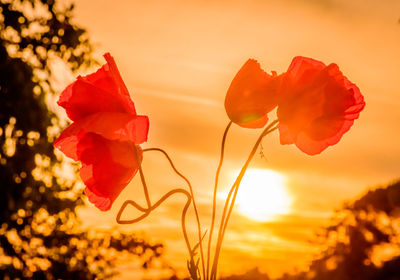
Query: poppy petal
x=112, y=126
x=303, y=66
x=82, y=98
x=251, y=96
x=105, y=133
x=101, y=202
x=107, y=167
x=108, y=77
x=116, y=76
x=318, y=105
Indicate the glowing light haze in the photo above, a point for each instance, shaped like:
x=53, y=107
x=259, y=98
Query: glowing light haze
x=262, y=195
x=178, y=58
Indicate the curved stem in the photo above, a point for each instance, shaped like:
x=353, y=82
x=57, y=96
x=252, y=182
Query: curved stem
x=221, y=159
x=235, y=187
x=145, y=189
x=192, y=196
x=150, y=208
x=171, y=163
x=147, y=211
x=239, y=180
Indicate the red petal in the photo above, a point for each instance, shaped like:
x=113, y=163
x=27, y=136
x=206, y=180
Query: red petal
x=67, y=143
x=251, y=95
x=102, y=79
x=319, y=105
x=103, y=203
x=313, y=147
x=82, y=98
x=303, y=66
x=257, y=123
x=116, y=76
x=107, y=167
x=285, y=136
x=105, y=134
x=108, y=78
x=112, y=126
x=308, y=145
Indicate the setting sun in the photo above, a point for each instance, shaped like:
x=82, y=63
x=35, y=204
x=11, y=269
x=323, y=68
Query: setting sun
x=263, y=195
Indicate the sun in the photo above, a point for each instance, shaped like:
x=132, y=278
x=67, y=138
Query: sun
x=262, y=195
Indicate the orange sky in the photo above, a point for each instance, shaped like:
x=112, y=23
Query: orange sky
x=178, y=59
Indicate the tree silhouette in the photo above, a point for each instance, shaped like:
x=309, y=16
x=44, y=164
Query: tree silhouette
x=363, y=241
x=40, y=234
x=253, y=274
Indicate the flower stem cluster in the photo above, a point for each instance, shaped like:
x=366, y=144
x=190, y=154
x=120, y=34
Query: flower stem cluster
x=316, y=104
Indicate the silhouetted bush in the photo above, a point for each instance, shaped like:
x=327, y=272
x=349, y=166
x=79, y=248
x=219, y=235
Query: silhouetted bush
x=363, y=241
x=40, y=234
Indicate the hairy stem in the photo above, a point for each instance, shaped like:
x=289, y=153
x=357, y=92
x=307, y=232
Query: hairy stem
x=230, y=201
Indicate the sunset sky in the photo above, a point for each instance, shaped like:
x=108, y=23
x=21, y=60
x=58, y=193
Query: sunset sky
x=178, y=59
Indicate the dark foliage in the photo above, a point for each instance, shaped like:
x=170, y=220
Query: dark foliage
x=253, y=274
x=363, y=242
x=40, y=235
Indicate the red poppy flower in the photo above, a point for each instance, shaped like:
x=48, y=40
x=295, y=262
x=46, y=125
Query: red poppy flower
x=105, y=133
x=318, y=105
x=251, y=96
